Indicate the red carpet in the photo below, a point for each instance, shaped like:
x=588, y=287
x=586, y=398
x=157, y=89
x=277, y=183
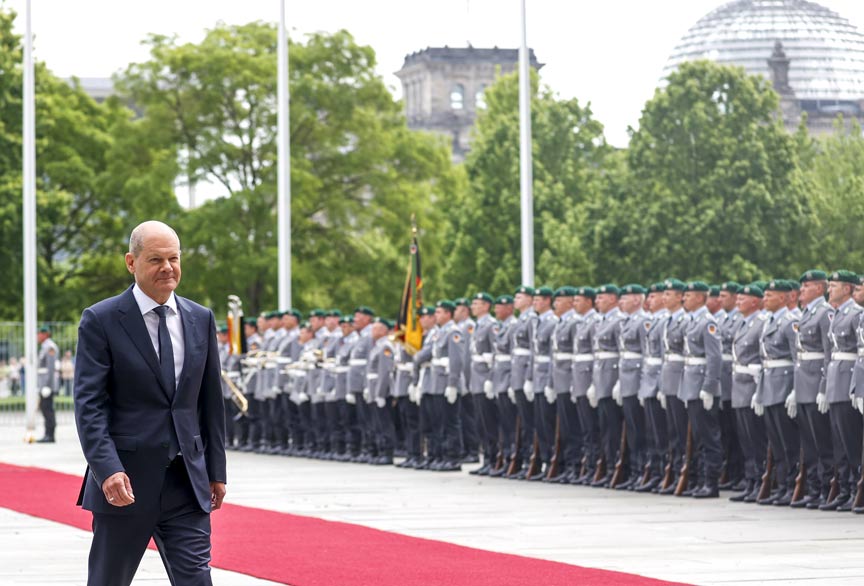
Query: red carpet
x=305, y=551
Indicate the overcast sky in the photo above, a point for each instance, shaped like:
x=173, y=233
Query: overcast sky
x=608, y=52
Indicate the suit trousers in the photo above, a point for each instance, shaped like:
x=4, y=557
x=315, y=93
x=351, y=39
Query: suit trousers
x=469, y=425
x=609, y=420
x=544, y=426
x=525, y=409
x=590, y=433
x=507, y=414
x=570, y=431
x=732, y=456
x=487, y=415
x=752, y=437
x=180, y=528
x=785, y=447
x=409, y=415
x=656, y=437
x=846, y=437
x=706, y=441
x=814, y=430
x=634, y=420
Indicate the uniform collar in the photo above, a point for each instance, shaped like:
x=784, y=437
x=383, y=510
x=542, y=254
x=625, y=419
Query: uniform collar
x=146, y=303
x=568, y=314
x=546, y=313
x=815, y=303
x=780, y=313
x=848, y=302
x=699, y=312
x=751, y=317
x=660, y=313
x=678, y=313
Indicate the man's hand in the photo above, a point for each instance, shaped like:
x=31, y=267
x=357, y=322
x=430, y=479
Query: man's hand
x=217, y=494
x=118, y=490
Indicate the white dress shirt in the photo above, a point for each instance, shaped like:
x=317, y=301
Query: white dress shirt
x=173, y=320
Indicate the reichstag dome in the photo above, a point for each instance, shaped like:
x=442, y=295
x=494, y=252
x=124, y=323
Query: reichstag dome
x=814, y=56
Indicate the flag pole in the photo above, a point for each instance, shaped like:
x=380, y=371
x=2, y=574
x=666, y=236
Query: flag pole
x=284, y=166
x=525, y=171
x=29, y=230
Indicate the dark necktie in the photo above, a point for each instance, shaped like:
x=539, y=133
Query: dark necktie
x=166, y=350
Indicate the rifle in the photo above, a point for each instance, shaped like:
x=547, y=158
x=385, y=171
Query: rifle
x=512, y=468
x=835, y=487
x=601, y=467
x=768, y=476
x=859, y=492
x=619, y=465
x=668, y=473
x=800, y=480
x=554, y=465
x=499, y=457
x=684, y=476
x=534, y=462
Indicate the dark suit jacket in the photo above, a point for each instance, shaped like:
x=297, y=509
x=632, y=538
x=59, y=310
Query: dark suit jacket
x=123, y=412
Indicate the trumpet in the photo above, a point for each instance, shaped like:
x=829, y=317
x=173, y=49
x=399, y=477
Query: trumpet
x=236, y=395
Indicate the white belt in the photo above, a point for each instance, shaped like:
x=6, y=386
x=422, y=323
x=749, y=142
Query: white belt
x=329, y=366
x=583, y=358
x=283, y=360
x=445, y=362
x=778, y=363
x=605, y=355
x=502, y=358
x=654, y=361
x=631, y=356
x=751, y=369
x=728, y=358
x=844, y=356
x=811, y=356
x=562, y=355
x=520, y=352
x=485, y=358
x=695, y=361
x=372, y=376
x=41, y=371
x=542, y=359
x=405, y=367
x=341, y=369
x=674, y=357
x=297, y=372
x=357, y=362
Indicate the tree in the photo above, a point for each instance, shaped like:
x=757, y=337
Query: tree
x=357, y=172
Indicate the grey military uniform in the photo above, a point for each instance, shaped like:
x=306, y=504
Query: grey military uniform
x=341, y=368
x=844, y=340
x=481, y=353
x=448, y=352
x=702, y=357
x=814, y=350
x=542, y=351
x=747, y=359
x=583, y=352
x=857, y=386
x=672, y=371
x=562, y=353
x=423, y=362
x=606, y=355
x=404, y=371
x=328, y=376
x=467, y=326
x=652, y=351
x=47, y=374
x=522, y=365
x=502, y=361
x=779, y=346
x=358, y=361
x=728, y=324
x=380, y=369
x=631, y=358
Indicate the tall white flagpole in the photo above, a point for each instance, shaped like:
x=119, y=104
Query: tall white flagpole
x=525, y=171
x=284, y=166
x=29, y=204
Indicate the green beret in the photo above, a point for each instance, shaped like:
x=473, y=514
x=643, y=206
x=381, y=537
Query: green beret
x=761, y=284
x=609, y=288
x=714, y=290
x=844, y=277
x=633, y=289
x=544, y=292
x=346, y=319
x=251, y=321
x=813, y=275
x=657, y=287
x=675, y=285
x=427, y=310
x=586, y=292
x=563, y=292
x=753, y=289
x=381, y=320
x=305, y=326
x=334, y=313
x=778, y=285
x=273, y=314
x=504, y=300
x=296, y=313
x=525, y=289
x=446, y=304
x=483, y=296
x=461, y=301
x=365, y=309
x=44, y=330
x=222, y=329
x=317, y=313
x=731, y=286
x=700, y=286
x=796, y=286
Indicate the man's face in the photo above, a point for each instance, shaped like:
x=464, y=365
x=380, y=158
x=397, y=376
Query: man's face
x=714, y=304
x=503, y=311
x=331, y=322
x=427, y=322
x=562, y=305
x=157, y=266
x=306, y=334
x=747, y=304
x=274, y=323
x=262, y=324
x=461, y=313
x=792, y=298
x=42, y=336
x=346, y=328
x=810, y=290
x=442, y=316
x=606, y=301
x=361, y=320
x=693, y=300
x=858, y=294
x=316, y=322
x=630, y=303
x=774, y=300
x=379, y=330
x=838, y=292
x=582, y=304
x=728, y=300
x=672, y=299
x=248, y=330
x=542, y=304
x=479, y=307
x=523, y=301
x=221, y=337
x=655, y=301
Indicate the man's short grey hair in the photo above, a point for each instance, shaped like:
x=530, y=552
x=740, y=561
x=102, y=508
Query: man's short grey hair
x=136, y=239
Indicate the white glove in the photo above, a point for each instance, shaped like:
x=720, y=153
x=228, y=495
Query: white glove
x=757, y=407
x=529, y=395
x=45, y=392
x=350, y=399
x=707, y=400
x=661, y=396
x=859, y=404
x=511, y=394
x=551, y=395
x=641, y=401
x=381, y=402
x=616, y=394
x=451, y=393
x=791, y=405
x=412, y=392
x=592, y=396
x=529, y=387
x=489, y=390
x=822, y=403
x=367, y=395
x=302, y=398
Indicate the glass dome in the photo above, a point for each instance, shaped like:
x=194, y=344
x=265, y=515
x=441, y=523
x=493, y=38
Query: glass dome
x=825, y=50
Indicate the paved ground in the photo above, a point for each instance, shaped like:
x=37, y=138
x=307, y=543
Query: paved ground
x=699, y=542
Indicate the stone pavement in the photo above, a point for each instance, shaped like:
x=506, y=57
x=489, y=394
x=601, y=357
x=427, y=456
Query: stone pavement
x=699, y=542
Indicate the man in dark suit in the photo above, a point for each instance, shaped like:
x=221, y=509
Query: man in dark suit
x=151, y=421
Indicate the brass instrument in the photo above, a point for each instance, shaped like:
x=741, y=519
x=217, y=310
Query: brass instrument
x=236, y=394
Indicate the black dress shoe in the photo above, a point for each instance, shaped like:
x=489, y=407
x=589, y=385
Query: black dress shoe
x=753, y=495
x=45, y=440
x=726, y=485
x=707, y=492
x=846, y=507
x=804, y=501
x=602, y=482
x=858, y=510
x=784, y=500
x=483, y=470
x=739, y=498
x=519, y=475
x=541, y=474
x=382, y=460
x=498, y=472
x=648, y=486
x=817, y=502
x=471, y=459
x=836, y=503
x=691, y=490
x=449, y=466
x=669, y=490
x=586, y=479
x=626, y=485
x=559, y=479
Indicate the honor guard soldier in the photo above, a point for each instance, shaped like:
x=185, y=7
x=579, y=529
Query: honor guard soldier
x=422, y=387
x=335, y=443
x=728, y=319
x=342, y=439
x=468, y=421
x=671, y=375
x=501, y=381
x=448, y=352
x=846, y=423
x=521, y=372
x=630, y=380
x=714, y=304
x=569, y=456
x=361, y=418
x=746, y=372
x=314, y=381
x=380, y=380
x=793, y=301
x=541, y=358
x=285, y=410
x=47, y=382
x=656, y=439
x=229, y=363
x=405, y=405
x=811, y=366
x=302, y=362
x=583, y=368
x=482, y=353
x=779, y=347
x=253, y=343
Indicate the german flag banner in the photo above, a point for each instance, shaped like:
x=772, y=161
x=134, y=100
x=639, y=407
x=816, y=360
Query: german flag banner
x=409, y=332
